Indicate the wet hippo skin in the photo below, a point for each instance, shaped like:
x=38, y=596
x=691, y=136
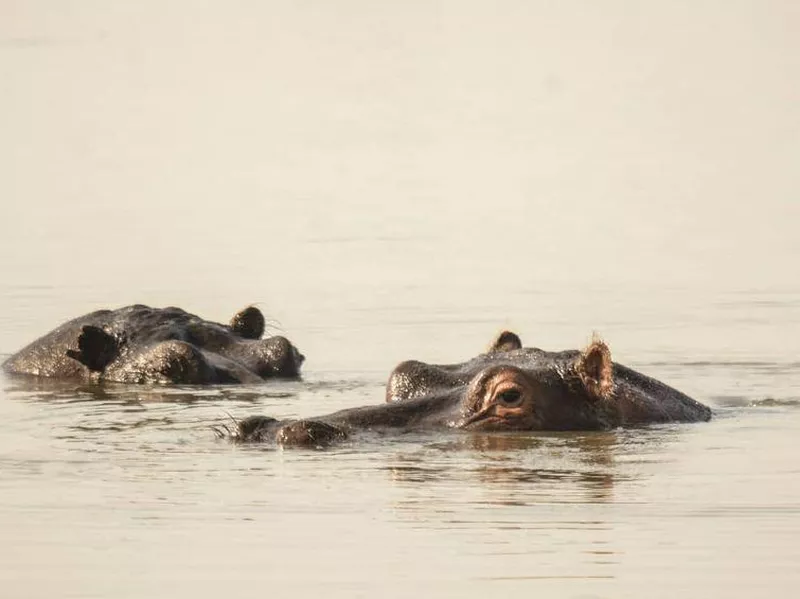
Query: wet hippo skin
x=139, y=344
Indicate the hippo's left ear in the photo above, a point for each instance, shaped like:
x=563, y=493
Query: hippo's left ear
x=248, y=323
x=505, y=341
x=595, y=369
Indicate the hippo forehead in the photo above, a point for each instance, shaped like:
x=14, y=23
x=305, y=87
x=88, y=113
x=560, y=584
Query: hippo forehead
x=143, y=324
x=527, y=358
x=413, y=379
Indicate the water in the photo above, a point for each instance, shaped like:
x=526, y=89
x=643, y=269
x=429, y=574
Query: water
x=394, y=182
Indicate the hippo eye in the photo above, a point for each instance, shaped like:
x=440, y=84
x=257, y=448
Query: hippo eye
x=510, y=397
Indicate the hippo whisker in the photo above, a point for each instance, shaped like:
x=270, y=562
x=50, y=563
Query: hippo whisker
x=230, y=431
x=272, y=326
x=233, y=420
x=222, y=431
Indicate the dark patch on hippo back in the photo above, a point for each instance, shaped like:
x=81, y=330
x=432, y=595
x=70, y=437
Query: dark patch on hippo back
x=96, y=348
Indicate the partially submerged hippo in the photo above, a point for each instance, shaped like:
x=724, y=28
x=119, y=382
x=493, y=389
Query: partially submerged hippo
x=509, y=388
x=139, y=344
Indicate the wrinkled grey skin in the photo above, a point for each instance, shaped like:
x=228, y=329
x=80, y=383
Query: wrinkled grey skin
x=139, y=344
x=509, y=388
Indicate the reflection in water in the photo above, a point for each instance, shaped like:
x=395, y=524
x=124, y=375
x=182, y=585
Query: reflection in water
x=502, y=490
x=116, y=415
x=46, y=389
x=771, y=402
x=547, y=467
x=53, y=390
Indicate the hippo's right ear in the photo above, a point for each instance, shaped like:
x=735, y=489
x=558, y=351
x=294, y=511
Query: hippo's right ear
x=595, y=369
x=505, y=341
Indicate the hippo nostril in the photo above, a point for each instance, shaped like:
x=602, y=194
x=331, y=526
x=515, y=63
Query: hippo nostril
x=253, y=428
x=308, y=433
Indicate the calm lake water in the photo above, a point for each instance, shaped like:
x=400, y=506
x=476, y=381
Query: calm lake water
x=395, y=182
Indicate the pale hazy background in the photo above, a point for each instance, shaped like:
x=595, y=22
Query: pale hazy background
x=392, y=180
x=331, y=157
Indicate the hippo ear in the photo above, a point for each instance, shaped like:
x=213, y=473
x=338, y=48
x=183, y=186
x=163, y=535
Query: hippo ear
x=595, y=368
x=505, y=341
x=248, y=323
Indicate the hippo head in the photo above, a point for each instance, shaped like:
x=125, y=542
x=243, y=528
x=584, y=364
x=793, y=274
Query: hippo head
x=142, y=344
x=271, y=357
x=513, y=388
x=507, y=388
x=243, y=342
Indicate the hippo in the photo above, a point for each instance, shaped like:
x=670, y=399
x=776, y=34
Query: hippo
x=508, y=388
x=140, y=344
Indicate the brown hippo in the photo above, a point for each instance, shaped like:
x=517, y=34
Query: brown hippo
x=508, y=388
x=139, y=344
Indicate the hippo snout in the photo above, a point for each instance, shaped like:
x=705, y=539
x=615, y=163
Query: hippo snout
x=281, y=358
